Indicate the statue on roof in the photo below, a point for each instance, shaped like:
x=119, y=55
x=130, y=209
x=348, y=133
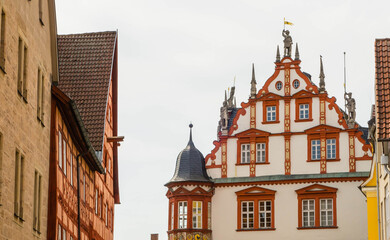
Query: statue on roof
x=350, y=105
x=287, y=43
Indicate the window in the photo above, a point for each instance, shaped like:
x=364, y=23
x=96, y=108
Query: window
x=2, y=41
x=331, y=148
x=256, y=209
x=172, y=215
x=106, y=217
x=315, y=149
x=197, y=214
x=279, y=85
x=209, y=215
x=245, y=153
x=260, y=152
x=296, y=83
x=182, y=214
x=59, y=232
x=22, y=69
x=271, y=113
x=37, y=202
x=303, y=111
x=84, y=187
x=40, y=88
x=64, y=155
x=63, y=234
x=109, y=114
x=71, y=168
x=96, y=201
x=317, y=207
x=101, y=206
x=18, y=191
x=60, y=149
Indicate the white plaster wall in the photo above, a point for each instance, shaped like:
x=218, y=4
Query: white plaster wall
x=214, y=172
x=332, y=118
x=272, y=87
x=273, y=127
x=343, y=164
x=363, y=166
x=243, y=121
x=276, y=158
x=359, y=149
x=302, y=126
x=299, y=164
x=351, y=215
x=302, y=84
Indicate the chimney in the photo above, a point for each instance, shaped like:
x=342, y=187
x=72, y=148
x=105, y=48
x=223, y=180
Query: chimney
x=154, y=236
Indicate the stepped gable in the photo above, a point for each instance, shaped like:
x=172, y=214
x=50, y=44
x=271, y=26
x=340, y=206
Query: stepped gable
x=85, y=66
x=382, y=83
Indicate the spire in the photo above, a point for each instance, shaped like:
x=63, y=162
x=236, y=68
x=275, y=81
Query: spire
x=322, y=77
x=296, y=52
x=277, y=54
x=225, y=96
x=253, y=83
x=191, y=125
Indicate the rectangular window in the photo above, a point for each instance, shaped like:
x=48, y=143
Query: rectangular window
x=331, y=148
x=40, y=86
x=326, y=212
x=22, y=69
x=71, y=169
x=60, y=149
x=106, y=214
x=101, y=206
x=245, y=153
x=109, y=165
x=59, y=232
x=260, y=152
x=64, y=155
x=96, y=201
x=197, y=214
x=209, y=215
x=247, y=215
x=303, y=111
x=265, y=214
x=2, y=41
x=63, y=234
x=18, y=191
x=271, y=113
x=182, y=214
x=315, y=149
x=37, y=202
x=172, y=215
x=308, y=213
x=84, y=187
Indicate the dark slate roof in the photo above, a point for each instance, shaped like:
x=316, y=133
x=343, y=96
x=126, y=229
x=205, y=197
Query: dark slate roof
x=231, y=117
x=382, y=85
x=190, y=165
x=365, y=133
x=85, y=62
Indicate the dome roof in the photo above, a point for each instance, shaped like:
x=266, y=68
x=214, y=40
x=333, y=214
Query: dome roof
x=190, y=165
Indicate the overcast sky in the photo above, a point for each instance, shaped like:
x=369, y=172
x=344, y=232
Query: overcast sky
x=177, y=57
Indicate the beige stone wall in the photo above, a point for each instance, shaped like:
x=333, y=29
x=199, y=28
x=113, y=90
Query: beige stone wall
x=19, y=126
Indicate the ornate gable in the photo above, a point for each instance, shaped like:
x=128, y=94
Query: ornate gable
x=255, y=191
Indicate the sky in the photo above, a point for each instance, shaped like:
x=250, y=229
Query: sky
x=176, y=59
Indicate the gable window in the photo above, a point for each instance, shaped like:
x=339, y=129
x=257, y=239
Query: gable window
x=317, y=207
x=331, y=148
x=182, y=215
x=271, y=109
x=303, y=111
x=260, y=152
x=271, y=113
x=315, y=149
x=296, y=83
x=245, y=153
x=279, y=85
x=197, y=214
x=64, y=149
x=255, y=209
x=303, y=107
x=22, y=69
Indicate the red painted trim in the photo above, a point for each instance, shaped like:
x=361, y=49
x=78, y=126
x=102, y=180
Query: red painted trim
x=212, y=154
x=265, y=90
x=276, y=87
x=351, y=144
x=224, y=158
x=287, y=155
x=333, y=105
x=242, y=112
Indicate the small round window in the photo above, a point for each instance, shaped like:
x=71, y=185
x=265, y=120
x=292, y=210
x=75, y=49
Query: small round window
x=279, y=85
x=296, y=83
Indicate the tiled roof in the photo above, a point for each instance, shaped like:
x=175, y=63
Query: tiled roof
x=85, y=63
x=382, y=83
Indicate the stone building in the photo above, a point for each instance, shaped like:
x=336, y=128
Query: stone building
x=84, y=138
x=287, y=164
x=28, y=64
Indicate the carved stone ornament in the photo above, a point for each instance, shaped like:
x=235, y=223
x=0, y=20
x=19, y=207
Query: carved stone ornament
x=350, y=105
x=287, y=43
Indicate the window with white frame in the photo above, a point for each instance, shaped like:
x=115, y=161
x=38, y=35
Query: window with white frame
x=64, y=155
x=182, y=215
x=315, y=149
x=308, y=213
x=260, y=152
x=71, y=169
x=197, y=214
x=303, y=111
x=209, y=215
x=59, y=232
x=331, y=148
x=247, y=214
x=271, y=113
x=172, y=215
x=96, y=201
x=326, y=212
x=245, y=153
x=60, y=149
x=265, y=214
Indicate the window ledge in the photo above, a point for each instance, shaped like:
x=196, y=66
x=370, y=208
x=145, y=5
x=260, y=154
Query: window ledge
x=328, y=160
x=270, y=122
x=255, y=229
x=308, y=228
x=304, y=120
x=247, y=164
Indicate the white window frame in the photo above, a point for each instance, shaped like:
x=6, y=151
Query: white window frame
x=209, y=215
x=331, y=148
x=309, y=220
x=260, y=153
x=197, y=214
x=315, y=149
x=182, y=215
x=271, y=113
x=296, y=84
x=326, y=212
x=71, y=169
x=172, y=215
x=96, y=201
x=60, y=149
x=304, y=111
x=245, y=153
x=247, y=214
x=64, y=148
x=265, y=214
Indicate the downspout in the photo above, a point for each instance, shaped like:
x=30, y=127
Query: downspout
x=377, y=192
x=78, y=194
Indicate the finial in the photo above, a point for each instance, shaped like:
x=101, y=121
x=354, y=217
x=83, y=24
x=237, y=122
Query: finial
x=191, y=125
x=296, y=52
x=277, y=54
x=253, y=83
x=234, y=81
x=322, y=77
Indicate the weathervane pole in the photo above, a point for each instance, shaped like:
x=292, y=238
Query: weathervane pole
x=345, y=83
